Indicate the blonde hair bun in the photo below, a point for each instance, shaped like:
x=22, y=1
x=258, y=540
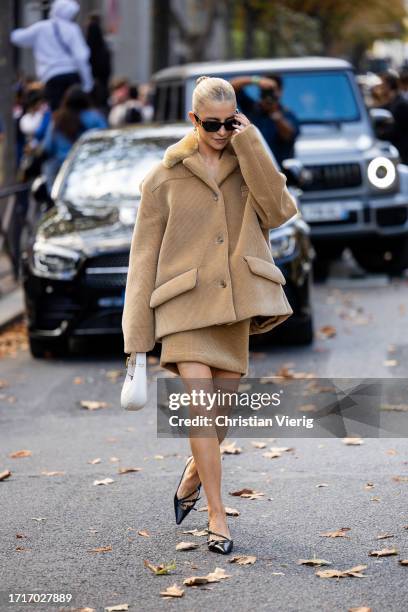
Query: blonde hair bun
x=201, y=78
x=212, y=89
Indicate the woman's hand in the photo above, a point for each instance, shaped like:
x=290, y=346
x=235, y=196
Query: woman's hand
x=243, y=123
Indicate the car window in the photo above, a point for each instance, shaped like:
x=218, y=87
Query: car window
x=316, y=97
x=111, y=169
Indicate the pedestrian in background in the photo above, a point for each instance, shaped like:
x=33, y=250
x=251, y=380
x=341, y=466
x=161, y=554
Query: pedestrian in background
x=277, y=124
x=74, y=117
x=404, y=83
x=126, y=108
x=100, y=60
x=60, y=51
x=394, y=101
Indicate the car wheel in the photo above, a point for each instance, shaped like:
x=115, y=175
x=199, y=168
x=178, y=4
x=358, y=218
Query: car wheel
x=299, y=331
x=382, y=255
x=327, y=250
x=42, y=348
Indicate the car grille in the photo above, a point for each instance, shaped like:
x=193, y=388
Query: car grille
x=107, y=271
x=333, y=176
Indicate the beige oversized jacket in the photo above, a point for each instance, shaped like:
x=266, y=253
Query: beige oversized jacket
x=200, y=252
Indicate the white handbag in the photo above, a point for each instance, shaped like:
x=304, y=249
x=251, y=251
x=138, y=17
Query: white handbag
x=134, y=390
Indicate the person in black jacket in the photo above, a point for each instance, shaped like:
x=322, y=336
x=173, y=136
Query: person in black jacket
x=100, y=60
x=398, y=107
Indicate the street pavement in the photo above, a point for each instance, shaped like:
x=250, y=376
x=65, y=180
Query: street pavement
x=51, y=523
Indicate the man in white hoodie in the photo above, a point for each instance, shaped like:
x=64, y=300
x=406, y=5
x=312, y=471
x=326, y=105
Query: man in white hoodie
x=60, y=51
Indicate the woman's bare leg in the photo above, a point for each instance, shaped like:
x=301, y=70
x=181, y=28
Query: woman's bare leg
x=224, y=382
x=206, y=465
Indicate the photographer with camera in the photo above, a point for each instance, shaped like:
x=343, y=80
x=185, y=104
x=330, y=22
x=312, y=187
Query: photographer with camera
x=277, y=123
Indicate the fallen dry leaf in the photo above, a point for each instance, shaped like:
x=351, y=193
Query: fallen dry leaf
x=105, y=481
x=271, y=455
x=118, y=608
x=143, y=533
x=259, y=444
x=5, y=474
x=334, y=573
x=383, y=536
x=161, y=569
x=385, y=552
x=326, y=331
x=215, y=576
x=100, y=549
x=124, y=470
x=230, y=449
x=322, y=484
x=360, y=609
x=20, y=453
x=53, y=473
x=13, y=338
x=93, y=404
x=352, y=441
x=313, y=562
x=186, y=545
x=172, y=591
x=400, y=478
x=94, y=461
x=114, y=375
x=395, y=407
x=196, y=532
x=339, y=533
x=243, y=559
x=403, y=561
x=78, y=380
x=247, y=493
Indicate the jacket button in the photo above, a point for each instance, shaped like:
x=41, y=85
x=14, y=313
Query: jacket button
x=220, y=239
x=215, y=196
x=223, y=283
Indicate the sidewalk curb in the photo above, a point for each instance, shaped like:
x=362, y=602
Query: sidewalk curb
x=11, y=308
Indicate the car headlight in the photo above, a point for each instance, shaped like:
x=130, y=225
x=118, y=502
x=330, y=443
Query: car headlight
x=381, y=172
x=283, y=242
x=52, y=261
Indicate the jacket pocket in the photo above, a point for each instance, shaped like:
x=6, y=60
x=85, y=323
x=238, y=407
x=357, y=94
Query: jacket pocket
x=265, y=268
x=175, y=286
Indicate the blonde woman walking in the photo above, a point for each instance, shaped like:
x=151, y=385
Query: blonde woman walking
x=201, y=275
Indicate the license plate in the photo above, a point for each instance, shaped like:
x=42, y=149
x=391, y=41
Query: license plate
x=324, y=212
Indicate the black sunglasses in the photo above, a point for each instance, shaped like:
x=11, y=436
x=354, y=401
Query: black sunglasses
x=214, y=126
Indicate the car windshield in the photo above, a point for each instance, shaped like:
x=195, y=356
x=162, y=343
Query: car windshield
x=104, y=170
x=316, y=97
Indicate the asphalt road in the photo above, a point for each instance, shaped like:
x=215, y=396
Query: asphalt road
x=50, y=523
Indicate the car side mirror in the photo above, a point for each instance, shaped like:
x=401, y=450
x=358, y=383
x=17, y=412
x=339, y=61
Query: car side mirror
x=297, y=175
x=383, y=122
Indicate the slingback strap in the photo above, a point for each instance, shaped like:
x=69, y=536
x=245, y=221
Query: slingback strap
x=218, y=534
x=186, y=501
x=182, y=498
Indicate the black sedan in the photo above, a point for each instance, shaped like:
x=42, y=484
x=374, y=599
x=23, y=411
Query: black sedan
x=75, y=259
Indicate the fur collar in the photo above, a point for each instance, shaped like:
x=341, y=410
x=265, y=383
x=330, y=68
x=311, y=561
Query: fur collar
x=188, y=145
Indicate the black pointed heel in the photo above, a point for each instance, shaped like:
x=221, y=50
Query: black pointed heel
x=181, y=512
x=223, y=547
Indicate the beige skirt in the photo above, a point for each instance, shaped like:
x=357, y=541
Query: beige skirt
x=222, y=346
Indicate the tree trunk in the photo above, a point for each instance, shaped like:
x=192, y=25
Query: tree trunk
x=160, y=37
